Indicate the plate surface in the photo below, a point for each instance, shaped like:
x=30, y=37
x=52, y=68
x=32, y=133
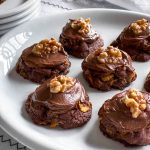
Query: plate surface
x=9, y=7
x=19, y=21
x=20, y=15
x=33, y=15
x=14, y=89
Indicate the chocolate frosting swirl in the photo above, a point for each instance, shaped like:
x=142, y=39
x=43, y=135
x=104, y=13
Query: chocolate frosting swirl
x=60, y=103
x=50, y=60
x=128, y=38
x=116, y=112
x=68, y=32
x=136, y=45
x=92, y=63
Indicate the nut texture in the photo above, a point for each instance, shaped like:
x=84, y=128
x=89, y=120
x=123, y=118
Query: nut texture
x=46, y=46
x=84, y=107
x=107, y=77
x=81, y=25
x=134, y=100
x=61, y=84
x=139, y=26
x=53, y=124
x=112, y=55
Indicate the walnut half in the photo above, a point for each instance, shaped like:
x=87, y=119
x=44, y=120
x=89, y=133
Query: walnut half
x=61, y=84
x=135, y=101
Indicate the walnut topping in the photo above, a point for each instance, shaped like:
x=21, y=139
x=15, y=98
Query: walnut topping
x=81, y=25
x=46, y=46
x=111, y=55
x=114, y=52
x=84, y=107
x=61, y=84
x=139, y=26
x=53, y=124
x=135, y=101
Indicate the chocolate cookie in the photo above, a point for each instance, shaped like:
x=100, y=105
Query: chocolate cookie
x=1, y=1
x=61, y=102
x=79, y=39
x=126, y=117
x=147, y=83
x=108, y=68
x=135, y=40
x=42, y=61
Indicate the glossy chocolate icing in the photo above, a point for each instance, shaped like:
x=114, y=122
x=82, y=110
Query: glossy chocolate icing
x=91, y=62
x=116, y=121
x=70, y=33
x=80, y=45
x=49, y=60
x=39, y=68
x=122, y=71
x=61, y=109
x=136, y=45
x=59, y=103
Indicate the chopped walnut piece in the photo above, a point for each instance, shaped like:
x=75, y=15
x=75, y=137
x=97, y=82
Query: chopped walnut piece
x=135, y=101
x=103, y=55
x=139, y=26
x=61, y=84
x=84, y=107
x=111, y=55
x=53, y=124
x=46, y=46
x=114, y=52
x=107, y=77
x=81, y=25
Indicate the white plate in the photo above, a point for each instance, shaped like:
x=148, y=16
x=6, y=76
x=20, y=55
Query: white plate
x=14, y=89
x=2, y=32
x=12, y=7
x=36, y=14
x=20, y=21
x=20, y=15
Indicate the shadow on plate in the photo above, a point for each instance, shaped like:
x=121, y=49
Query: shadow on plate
x=15, y=77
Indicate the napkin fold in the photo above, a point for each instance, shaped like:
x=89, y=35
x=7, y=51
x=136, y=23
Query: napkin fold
x=135, y=5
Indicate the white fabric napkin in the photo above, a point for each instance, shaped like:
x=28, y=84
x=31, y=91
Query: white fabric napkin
x=136, y=5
